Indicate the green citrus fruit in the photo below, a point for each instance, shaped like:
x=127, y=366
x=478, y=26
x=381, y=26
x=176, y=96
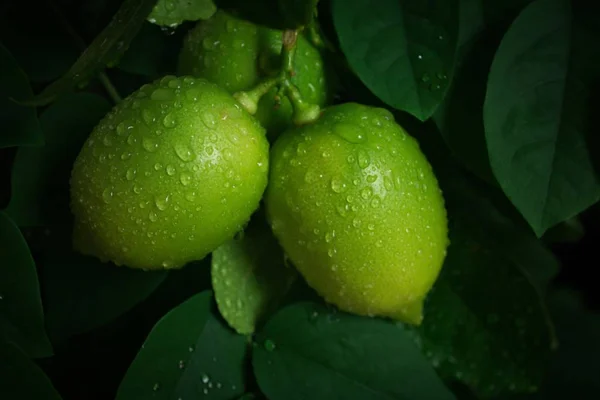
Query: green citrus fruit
x=168, y=175
x=237, y=55
x=357, y=208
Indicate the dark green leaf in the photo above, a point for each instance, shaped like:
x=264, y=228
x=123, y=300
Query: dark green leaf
x=20, y=126
x=403, y=51
x=81, y=293
x=249, y=277
x=40, y=176
x=145, y=54
x=459, y=117
x=485, y=322
x=536, y=115
x=171, y=13
x=307, y=351
x=20, y=378
x=106, y=49
x=573, y=372
x=21, y=314
x=189, y=354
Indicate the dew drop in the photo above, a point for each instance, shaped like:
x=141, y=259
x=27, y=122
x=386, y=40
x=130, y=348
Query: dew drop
x=169, y=120
x=162, y=94
x=162, y=202
x=107, y=141
x=363, y=159
x=122, y=129
x=185, y=178
x=156, y=387
x=338, y=186
x=190, y=196
x=269, y=345
x=125, y=156
x=158, y=166
x=183, y=152
x=107, y=195
x=192, y=94
x=147, y=116
x=149, y=145
x=366, y=193
x=205, y=378
x=130, y=175
x=137, y=189
x=152, y=216
x=388, y=183
x=209, y=119
x=131, y=140
x=171, y=170
x=349, y=132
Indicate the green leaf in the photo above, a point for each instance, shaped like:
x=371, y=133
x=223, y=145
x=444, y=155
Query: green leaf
x=308, y=351
x=106, y=48
x=189, y=354
x=21, y=378
x=250, y=278
x=21, y=314
x=81, y=293
x=404, y=52
x=459, y=117
x=20, y=126
x=536, y=115
x=172, y=13
x=40, y=176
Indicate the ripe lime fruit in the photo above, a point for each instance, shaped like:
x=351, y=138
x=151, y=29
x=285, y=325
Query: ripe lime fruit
x=237, y=55
x=357, y=208
x=168, y=175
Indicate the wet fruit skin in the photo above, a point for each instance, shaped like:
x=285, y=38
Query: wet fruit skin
x=357, y=208
x=168, y=175
x=237, y=54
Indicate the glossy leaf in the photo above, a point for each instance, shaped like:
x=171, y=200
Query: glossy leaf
x=189, y=354
x=81, y=293
x=536, y=115
x=20, y=126
x=308, y=351
x=171, y=13
x=106, y=48
x=250, y=278
x=40, y=176
x=21, y=314
x=21, y=378
x=404, y=52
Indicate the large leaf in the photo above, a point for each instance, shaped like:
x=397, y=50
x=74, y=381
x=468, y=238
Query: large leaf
x=40, y=176
x=536, y=115
x=485, y=321
x=81, y=293
x=171, y=13
x=20, y=126
x=309, y=351
x=21, y=314
x=249, y=277
x=107, y=47
x=189, y=354
x=20, y=378
x=403, y=51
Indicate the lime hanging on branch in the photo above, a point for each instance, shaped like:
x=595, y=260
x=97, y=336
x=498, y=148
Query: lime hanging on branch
x=171, y=173
x=238, y=55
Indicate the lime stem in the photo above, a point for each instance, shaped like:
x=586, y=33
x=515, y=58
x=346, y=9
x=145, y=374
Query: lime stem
x=249, y=99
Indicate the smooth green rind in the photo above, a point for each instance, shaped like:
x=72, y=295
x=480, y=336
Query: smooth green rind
x=21, y=378
x=21, y=313
x=357, y=208
x=236, y=55
x=249, y=277
x=308, y=351
x=189, y=354
x=170, y=174
x=172, y=13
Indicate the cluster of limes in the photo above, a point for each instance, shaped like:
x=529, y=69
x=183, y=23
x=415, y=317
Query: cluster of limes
x=178, y=167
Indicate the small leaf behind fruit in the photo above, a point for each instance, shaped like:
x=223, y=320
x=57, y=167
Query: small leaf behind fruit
x=537, y=116
x=21, y=378
x=21, y=314
x=249, y=277
x=309, y=351
x=171, y=13
x=189, y=354
x=106, y=49
x=20, y=126
x=404, y=52
x=40, y=176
